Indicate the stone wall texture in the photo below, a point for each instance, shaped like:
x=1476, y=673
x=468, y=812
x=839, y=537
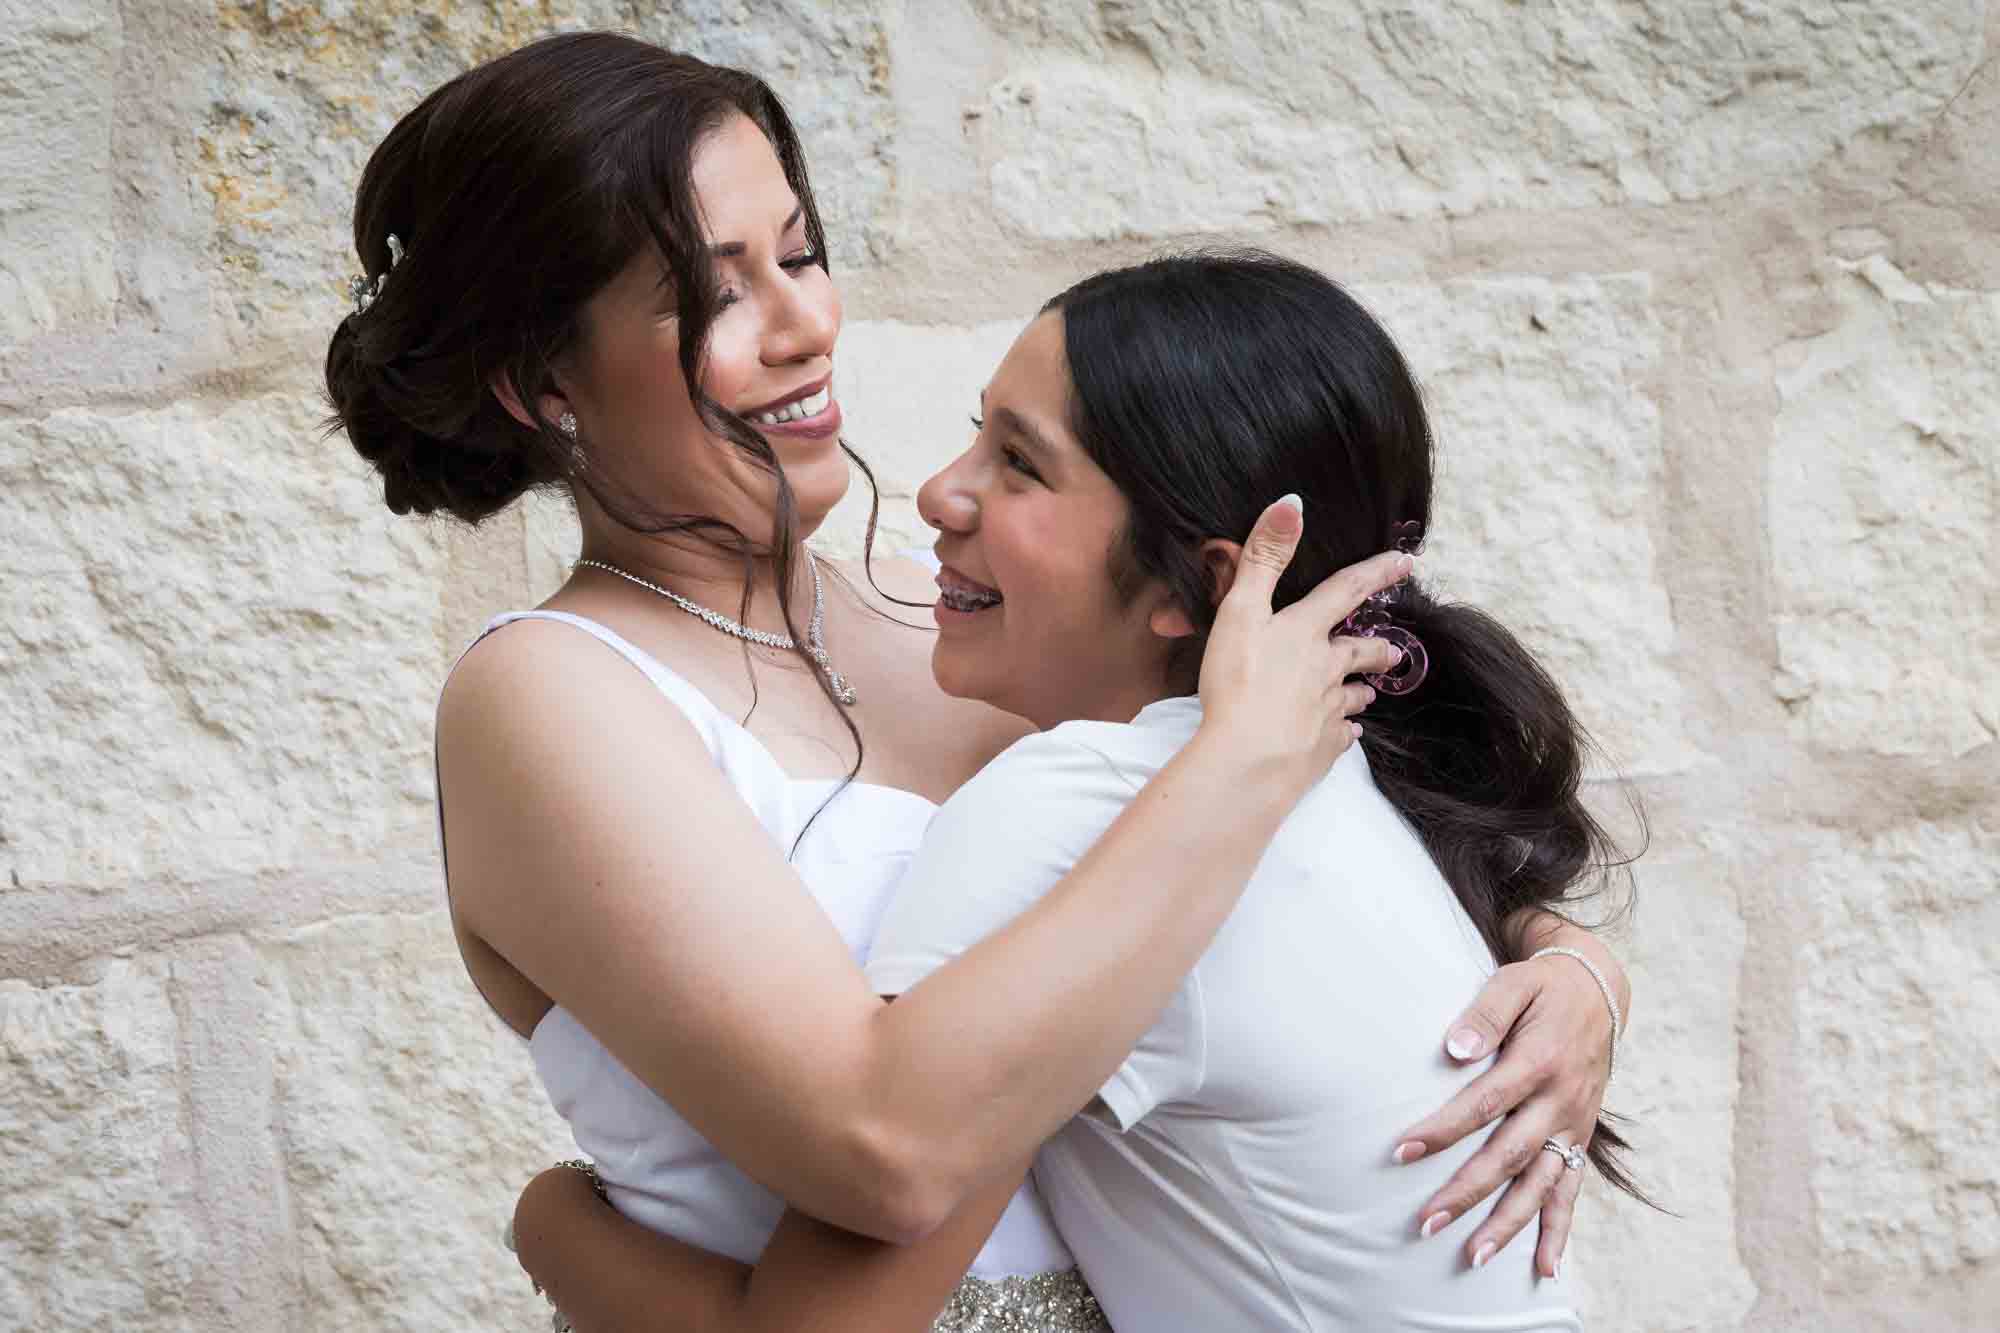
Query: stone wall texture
x=1706, y=295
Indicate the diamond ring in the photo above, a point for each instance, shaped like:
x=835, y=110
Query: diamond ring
x=1572, y=1155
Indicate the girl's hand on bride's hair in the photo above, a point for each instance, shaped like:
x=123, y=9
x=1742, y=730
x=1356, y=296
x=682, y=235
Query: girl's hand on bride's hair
x=1277, y=683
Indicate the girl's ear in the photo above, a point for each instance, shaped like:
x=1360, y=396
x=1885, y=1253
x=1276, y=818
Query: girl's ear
x=1220, y=558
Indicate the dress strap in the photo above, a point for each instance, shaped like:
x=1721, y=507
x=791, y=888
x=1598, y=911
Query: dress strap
x=742, y=759
x=709, y=722
x=750, y=767
x=691, y=701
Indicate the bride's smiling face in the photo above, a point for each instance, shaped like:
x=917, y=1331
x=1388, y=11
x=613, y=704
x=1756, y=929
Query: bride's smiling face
x=769, y=355
x=1029, y=618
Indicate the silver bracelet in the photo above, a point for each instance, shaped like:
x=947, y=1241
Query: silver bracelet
x=558, y=1321
x=589, y=1168
x=1604, y=988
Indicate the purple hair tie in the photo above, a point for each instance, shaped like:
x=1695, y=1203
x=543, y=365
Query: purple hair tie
x=1372, y=620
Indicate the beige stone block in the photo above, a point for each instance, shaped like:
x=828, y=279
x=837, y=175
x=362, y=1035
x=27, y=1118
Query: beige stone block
x=98, y=1225
x=551, y=541
x=1883, y=500
x=408, y=1120
x=1550, y=494
x=1955, y=164
x=1899, y=1023
x=57, y=249
x=221, y=646
x=1677, y=1081
x=304, y=92
x=1174, y=117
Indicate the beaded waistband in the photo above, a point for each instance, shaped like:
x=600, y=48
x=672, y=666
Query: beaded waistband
x=1034, y=1303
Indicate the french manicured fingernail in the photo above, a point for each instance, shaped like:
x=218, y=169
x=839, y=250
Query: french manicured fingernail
x=1294, y=501
x=1355, y=727
x=1405, y=563
x=1557, y=1275
x=1409, y=1152
x=1484, y=1253
x=1464, y=1044
x=1435, y=1223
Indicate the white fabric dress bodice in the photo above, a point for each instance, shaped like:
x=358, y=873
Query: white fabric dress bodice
x=657, y=1169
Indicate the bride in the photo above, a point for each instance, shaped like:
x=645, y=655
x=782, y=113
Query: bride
x=596, y=265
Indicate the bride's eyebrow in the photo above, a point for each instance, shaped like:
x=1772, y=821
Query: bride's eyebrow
x=731, y=249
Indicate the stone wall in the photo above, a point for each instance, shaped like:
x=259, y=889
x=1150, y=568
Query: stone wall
x=1707, y=297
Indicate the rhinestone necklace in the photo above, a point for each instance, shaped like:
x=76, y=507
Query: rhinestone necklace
x=815, y=641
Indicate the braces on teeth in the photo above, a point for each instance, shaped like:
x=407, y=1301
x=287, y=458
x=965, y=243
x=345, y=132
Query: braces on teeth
x=960, y=600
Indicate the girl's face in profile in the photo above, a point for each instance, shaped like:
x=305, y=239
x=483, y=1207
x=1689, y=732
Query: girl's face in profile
x=1029, y=619
x=769, y=358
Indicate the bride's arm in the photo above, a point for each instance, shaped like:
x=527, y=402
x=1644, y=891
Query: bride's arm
x=608, y=1274
x=689, y=947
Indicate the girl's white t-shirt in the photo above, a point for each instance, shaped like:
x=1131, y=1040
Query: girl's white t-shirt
x=1235, y=1172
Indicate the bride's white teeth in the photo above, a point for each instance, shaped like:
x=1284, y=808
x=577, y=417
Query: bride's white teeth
x=797, y=410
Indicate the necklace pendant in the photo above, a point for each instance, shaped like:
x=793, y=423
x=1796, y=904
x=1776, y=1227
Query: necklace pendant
x=841, y=689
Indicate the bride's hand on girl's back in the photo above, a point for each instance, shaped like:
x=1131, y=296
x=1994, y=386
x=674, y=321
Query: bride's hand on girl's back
x=1548, y=1024
x=1277, y=683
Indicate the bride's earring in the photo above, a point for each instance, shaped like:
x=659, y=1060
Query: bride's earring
x=566, y=423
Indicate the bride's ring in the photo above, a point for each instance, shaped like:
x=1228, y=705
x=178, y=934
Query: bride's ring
x=1573, y=1156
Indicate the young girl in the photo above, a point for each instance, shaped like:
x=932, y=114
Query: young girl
x=1232, y=1173
x=595, y=265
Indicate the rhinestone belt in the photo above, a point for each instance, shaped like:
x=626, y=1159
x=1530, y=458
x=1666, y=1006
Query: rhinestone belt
x=1035, y=1303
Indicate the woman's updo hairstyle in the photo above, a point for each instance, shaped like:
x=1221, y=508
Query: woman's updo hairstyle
x=518, y=190
x=1207, y=384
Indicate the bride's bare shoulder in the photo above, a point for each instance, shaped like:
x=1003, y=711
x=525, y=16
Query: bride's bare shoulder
x=537, y=681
